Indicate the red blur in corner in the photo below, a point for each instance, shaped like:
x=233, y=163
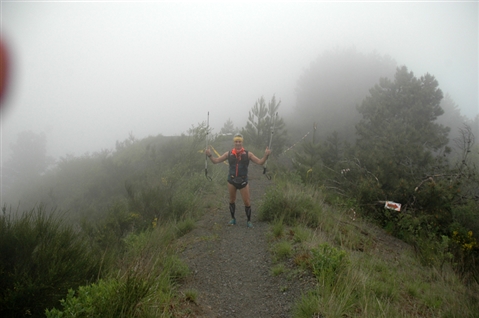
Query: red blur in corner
x=3, y=71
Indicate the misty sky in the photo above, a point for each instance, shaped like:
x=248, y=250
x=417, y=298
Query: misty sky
x=90, y=73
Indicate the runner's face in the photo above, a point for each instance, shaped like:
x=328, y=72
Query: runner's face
x=238, y=144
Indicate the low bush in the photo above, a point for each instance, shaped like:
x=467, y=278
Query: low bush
x=327, y=263
x=142, y=285
x=282, y=250
x=40, y=259
x=107, y=298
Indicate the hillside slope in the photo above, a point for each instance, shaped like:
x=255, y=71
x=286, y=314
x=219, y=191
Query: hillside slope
x=232, y=266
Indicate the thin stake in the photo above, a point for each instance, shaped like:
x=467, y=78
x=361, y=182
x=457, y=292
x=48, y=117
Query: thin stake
x=206, y=156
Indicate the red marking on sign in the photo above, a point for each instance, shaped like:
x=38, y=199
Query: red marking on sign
x=393, y=206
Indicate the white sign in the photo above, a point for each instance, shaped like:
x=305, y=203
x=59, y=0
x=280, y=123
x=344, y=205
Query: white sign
x=393, y=206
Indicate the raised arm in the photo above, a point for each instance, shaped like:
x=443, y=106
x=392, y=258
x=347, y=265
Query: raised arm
x=219, y=159
x=261, y=161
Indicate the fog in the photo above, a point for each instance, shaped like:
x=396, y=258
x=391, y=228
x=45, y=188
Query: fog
x=90, y=73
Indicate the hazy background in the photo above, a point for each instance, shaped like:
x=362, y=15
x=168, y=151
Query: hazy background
x=90, y=73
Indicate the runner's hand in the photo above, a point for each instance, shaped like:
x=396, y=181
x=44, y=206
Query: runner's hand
x=267, y=152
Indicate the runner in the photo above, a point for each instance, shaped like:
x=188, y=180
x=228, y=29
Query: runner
x=239, y=159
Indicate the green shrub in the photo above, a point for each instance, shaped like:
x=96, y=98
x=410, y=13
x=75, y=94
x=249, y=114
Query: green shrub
x=176, y=268
x=308, y=306
x=191, y=295
x=110, y=231
x=107, y=298
x=465, y=250
x=278, y=269
x=143, y=286
x=466, y=216
x=282, y=250
x=182, y=204
x=292, y=204
x=301, y=234
x=40, y=259
x=184, y=226
x=278, y=228
x=327, y=262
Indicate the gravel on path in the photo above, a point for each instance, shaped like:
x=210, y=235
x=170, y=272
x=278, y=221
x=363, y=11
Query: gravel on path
x=231, y=265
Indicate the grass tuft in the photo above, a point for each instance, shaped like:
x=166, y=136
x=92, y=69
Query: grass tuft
x=292, y=204
x=282, y=250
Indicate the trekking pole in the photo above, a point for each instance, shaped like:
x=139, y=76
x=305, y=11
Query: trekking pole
x=206, y=138
x=270, y=140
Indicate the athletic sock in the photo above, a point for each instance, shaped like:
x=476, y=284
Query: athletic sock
x=248, y=212
x=232, y=210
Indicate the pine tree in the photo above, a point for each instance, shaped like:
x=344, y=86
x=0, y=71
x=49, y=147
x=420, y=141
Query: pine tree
x=228, y=128
x=398, y=138
x=259, y=127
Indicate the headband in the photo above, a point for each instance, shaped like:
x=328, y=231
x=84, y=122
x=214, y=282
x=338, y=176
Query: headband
x=238, y=138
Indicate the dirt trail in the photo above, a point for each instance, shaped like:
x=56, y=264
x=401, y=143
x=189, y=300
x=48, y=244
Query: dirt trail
x=231, y=265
